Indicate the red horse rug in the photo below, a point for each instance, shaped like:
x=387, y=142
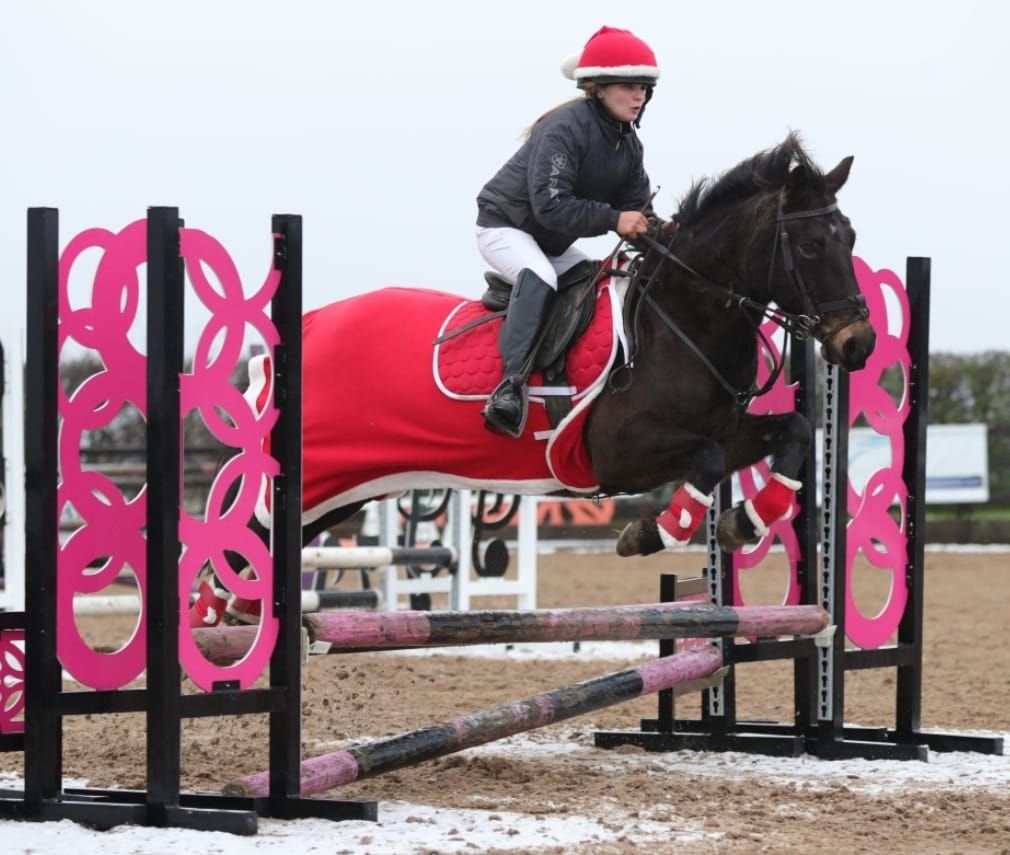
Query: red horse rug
x=386, y=409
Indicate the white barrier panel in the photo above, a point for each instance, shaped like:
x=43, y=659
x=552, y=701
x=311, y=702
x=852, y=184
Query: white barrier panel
x=12, y=595
x=957, y=461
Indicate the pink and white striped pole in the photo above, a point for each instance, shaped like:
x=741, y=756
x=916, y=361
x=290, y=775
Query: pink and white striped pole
x=383, y=630
x=360, y=631
x=342, y=767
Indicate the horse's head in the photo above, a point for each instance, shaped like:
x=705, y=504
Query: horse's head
x=771, y=227
x=811, y=270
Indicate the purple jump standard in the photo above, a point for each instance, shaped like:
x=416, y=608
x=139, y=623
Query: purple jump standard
x=342, y=767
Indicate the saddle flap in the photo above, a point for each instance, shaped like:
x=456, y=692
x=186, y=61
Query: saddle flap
x=567, y=320
x=467, y=362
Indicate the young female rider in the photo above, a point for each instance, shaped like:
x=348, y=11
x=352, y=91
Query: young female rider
x=578, y=174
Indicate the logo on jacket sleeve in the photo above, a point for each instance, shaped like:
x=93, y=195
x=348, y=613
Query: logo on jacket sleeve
x=558, y=162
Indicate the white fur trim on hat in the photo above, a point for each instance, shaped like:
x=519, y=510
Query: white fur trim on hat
x=569, y=65
x=614, y=71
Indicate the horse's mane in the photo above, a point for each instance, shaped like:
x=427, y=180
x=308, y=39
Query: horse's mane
x=765, y=171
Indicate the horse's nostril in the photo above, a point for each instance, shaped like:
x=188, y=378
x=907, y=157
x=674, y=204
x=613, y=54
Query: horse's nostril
x=854, y=354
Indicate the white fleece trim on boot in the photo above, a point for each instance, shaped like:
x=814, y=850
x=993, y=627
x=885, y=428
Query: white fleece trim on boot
x=788, y=482
x=760, y=529
x=697, y=495
x=671, y=543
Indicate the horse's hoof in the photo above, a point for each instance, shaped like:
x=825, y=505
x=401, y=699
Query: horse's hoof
x=639, y=538
x=627, y=543
x=734, y=530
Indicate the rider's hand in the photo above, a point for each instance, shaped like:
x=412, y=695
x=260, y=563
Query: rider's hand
x=632, y=224
x=669, y=228
x=660, y=228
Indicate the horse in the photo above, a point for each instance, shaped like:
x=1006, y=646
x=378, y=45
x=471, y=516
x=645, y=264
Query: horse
x=766, y=238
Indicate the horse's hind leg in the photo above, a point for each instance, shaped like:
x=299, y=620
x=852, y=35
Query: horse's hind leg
x=785, y=436
x=214, y=602
x=699, y=465
x=241, y=610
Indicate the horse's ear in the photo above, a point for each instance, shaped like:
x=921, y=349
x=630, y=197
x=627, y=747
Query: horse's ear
x=838, y=176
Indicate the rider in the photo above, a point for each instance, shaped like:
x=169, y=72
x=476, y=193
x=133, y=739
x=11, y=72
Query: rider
x=578, y=174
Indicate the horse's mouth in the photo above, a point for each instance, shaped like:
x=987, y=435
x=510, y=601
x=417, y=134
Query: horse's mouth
x=846, y=340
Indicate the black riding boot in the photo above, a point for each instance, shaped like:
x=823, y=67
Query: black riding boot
x=505, y=411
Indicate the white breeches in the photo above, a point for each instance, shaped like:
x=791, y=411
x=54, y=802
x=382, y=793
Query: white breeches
x=510, y=250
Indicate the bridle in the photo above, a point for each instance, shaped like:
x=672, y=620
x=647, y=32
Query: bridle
x=856, y=302
x=798, y=325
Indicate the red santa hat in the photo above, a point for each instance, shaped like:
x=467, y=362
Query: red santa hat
x=613, y=56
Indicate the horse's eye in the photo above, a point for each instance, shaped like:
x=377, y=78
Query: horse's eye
x=809, y=248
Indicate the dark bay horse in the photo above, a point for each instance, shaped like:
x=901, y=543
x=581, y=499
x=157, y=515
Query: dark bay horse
x=766, y=233
x=769, y=230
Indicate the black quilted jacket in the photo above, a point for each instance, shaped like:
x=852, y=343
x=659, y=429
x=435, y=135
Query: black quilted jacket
x=573, y=176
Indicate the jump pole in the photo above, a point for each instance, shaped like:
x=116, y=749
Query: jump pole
x=685, y=671
x=312, y=601
x=358, y=557
x=339, y=632
x=385, y=630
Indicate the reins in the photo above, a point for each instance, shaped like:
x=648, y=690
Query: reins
x=742, y=397
x=800, y=326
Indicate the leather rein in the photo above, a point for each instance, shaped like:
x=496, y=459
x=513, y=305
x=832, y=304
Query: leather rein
x=801, y=326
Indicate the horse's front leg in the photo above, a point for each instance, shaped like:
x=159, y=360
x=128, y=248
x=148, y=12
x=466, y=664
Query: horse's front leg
x=786, y=437
x=644, y=454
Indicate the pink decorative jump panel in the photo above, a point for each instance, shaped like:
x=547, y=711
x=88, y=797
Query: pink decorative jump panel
x=873, y=533
x=12, y=680
x=112, y=530
x=209, y=390
x=111, y=533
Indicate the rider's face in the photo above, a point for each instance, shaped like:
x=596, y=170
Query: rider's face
x=623, y=100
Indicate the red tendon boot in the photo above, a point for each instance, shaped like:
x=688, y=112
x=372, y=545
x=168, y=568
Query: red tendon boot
x=242, y=610
x=772, y=503
x=208, y=607
x=679, y=521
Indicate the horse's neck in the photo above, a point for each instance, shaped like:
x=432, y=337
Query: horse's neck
x=703, y=296
x=721, y=262
x=710, y=315
x=706, y=316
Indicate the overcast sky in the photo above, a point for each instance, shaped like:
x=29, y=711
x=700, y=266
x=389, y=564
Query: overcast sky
x=380, y=121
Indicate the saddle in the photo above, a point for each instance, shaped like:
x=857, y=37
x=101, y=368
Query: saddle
x=567, y=319
x=499, y=289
